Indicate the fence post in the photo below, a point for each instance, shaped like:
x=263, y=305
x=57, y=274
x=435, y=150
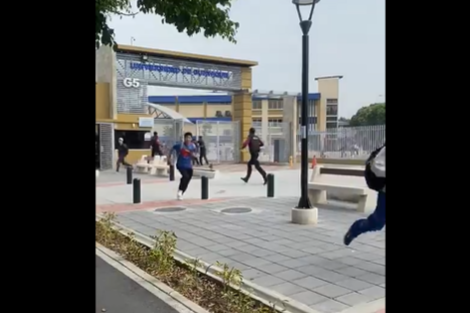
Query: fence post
x=204, y=188
x=129, y=175
x=136, y=191
x=270, y=179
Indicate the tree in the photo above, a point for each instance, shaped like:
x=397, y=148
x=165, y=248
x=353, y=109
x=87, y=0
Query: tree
x=373, y=114
x=192, y=16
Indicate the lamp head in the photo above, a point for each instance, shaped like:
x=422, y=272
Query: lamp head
x=305, y=2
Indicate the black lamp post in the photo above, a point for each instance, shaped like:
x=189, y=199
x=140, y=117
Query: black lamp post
x=304, y=202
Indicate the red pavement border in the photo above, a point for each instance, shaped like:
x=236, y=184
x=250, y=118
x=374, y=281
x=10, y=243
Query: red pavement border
x=144, y=182
x=127, y=207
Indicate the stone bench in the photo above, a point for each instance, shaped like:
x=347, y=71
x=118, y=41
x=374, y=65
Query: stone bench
x=199, y=172
x=317, y=193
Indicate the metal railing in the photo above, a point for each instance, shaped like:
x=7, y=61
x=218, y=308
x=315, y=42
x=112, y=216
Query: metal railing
x=345, y=142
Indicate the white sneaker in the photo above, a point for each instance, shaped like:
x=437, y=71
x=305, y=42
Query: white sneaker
x=179, y=196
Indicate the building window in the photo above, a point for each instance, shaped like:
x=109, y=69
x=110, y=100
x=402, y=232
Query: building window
x=134, y=139
x=331, y=106
x=331, y=125
x=256, y=105
x=275, y=104
x=273, y=122
x=311, y=108
x=332, y=118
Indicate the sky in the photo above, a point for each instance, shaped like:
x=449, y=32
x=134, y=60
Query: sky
x=347, y=38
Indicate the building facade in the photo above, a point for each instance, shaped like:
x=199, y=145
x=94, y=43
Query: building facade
x=322, y=107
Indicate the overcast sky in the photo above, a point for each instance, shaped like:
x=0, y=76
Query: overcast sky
x=347, y=38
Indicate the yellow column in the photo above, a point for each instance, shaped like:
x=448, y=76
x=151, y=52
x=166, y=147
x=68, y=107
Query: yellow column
x=242, y=108
x=242, y=112
x=204, y=109
x=177, y=104
x=320, y=109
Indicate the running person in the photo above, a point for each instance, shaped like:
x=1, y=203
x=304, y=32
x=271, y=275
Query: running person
x=375, y=221
x=155, y=146
x=184, y=162
x=123, y=151
x=254, y=145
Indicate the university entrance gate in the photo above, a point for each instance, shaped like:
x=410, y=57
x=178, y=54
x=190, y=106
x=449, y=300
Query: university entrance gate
x=130, y=70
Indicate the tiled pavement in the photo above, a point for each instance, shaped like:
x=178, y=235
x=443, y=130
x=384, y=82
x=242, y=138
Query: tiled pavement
x=307, y=263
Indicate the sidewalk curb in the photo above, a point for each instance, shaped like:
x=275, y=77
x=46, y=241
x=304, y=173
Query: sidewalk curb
x=370, y=307
x=268, y=297
x=148, y=282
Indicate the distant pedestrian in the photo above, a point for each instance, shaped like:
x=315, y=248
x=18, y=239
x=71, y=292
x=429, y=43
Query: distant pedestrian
x=155, y=145
x=375, y=178
x=254, y=145
x=123, y=151
x=196, y=151
x=202, y=151
x=184, y=162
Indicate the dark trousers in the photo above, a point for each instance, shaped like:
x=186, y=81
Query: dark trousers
x=186, y=175
x=121, y=160
x=202, y=155
x=374, y=222
x=195, y=160
x=254, y=162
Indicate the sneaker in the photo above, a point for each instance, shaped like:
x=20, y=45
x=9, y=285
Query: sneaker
x=244, y=179
x=179, y=196
x=348, y=237
x=265, y=180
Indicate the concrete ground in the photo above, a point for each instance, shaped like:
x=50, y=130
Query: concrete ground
x=307, y=263
x=116, y=293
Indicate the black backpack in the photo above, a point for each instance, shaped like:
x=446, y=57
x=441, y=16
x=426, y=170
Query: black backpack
x=373, y=182
x=255, y=144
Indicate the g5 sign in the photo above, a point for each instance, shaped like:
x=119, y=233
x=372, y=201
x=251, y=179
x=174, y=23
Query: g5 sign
x=131, y=82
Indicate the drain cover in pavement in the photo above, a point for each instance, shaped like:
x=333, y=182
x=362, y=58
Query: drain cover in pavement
x=236, y=210
x=170, y=209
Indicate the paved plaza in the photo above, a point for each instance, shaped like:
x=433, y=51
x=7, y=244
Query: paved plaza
x=306, y=263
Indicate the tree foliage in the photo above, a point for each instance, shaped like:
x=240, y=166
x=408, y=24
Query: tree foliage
x=373, y=114
x=191, y=16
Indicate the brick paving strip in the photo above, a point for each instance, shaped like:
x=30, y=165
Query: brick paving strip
x=306, y=263
x=128, y=207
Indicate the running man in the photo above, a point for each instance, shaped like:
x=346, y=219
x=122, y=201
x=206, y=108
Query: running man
x=375, y=221
x=123, y=151
x=184, y=162
x=254, y=145
x=202, y=151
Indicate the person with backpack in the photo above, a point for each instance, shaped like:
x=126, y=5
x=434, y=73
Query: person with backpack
x=184, y=162
x=375, y=178
x=123, y=151
x=155, y=146
x=254, y=145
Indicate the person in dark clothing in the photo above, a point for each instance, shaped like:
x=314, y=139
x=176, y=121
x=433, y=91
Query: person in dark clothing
x=123, y=151
x=254, y=145
x=202, y=151
x=196, y=151
x=185, y=154
x=155, y=145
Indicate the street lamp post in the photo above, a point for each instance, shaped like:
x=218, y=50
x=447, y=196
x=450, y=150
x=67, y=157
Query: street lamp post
x=304, y=202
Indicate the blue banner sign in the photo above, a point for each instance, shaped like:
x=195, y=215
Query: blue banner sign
x=177, y=70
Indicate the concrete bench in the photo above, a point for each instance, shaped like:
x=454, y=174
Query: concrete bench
x=317, y=193
x=199, y=172
x=158, y=166
x=339, y=171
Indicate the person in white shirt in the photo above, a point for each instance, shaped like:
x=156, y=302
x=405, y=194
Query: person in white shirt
x=375, y=221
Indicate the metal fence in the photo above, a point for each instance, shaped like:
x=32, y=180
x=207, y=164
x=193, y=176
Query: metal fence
x=276, y=142
x=222, y=140
x=344, y=142
x=169, y=131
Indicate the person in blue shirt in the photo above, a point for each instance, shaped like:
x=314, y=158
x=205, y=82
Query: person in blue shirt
x=184, y=162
